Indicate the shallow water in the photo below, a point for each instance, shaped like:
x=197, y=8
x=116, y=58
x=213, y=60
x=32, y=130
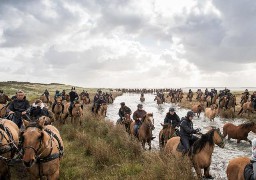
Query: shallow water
x=220, y=156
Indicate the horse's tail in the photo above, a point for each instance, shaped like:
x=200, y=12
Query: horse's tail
x=240, y=111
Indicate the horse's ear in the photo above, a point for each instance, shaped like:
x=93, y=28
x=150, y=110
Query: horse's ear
x=26, y=123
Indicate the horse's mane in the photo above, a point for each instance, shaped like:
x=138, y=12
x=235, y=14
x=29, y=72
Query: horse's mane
x=247, y=125
x=200, y=143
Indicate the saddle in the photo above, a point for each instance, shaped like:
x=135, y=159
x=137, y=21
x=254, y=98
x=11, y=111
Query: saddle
x=248, y=172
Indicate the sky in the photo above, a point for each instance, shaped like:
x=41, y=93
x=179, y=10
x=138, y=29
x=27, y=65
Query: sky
x=129, y=43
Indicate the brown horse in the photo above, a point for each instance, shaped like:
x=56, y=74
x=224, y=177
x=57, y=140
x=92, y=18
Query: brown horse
x=239, y=132
x=58, y=109
x=190, y=96
x=209, y=102
x=165, y=134
x=158, y=100
x=201, y=152
x=84, y=99
x=44, y=99
x=244, y=99
x=103, y=110
x=3, y=109
x=9, y=142
x=197, y=108
x=127, y=122
x=232, y=102
x=235, y=169
x=43, y=149
x=145, y=130
x=246, y=107
x=77, y=114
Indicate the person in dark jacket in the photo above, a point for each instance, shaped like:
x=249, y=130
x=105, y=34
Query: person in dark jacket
x=137, y=116
x=18, y=107
x=46, y=93
x=73, y=96
x=123, y=111
x=99, y=102
x=253, y=100
x=172, y=118
x=186, y=131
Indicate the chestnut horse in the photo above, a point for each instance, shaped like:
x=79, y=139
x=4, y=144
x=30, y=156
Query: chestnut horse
x=43, y=149
x=202, y=150
x=3, y=108
x=209, y=102
x=9, y=142
x=145, y=130
x=85, y=99
x=44, y=99
x=77, y=114
x=165, y=134
x=103, y=110
x=158, y=100
x=246, y=107
x=126, y=121
x=58, y=109
x=235, y=169
x=239, y=132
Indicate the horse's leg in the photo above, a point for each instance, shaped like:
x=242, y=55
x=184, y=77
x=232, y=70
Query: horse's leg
x=229, y=138
x=238, y=140
x=198, y=170
x=143, y=144
x=207, y=172
x=54, y=176
x=149, y=144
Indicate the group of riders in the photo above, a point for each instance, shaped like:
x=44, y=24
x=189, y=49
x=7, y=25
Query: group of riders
x=185, y=124
x=18, y=107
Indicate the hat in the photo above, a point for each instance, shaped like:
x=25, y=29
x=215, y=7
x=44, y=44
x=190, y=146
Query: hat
x=190, y=114
x=171, y=109
x=122, y=103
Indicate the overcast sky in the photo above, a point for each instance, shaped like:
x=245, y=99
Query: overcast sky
x=129, y=43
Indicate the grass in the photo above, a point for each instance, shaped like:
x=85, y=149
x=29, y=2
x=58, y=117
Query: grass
x=100, y=150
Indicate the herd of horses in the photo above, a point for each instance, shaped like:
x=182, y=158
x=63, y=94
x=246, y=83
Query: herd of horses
x=201, y=151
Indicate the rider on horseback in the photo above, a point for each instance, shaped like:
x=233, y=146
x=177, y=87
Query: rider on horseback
x=253, y=100
x=57, y=94
x=73, y=97
x=172, y=118
x=18, y=107
x=123, y=111
x=186, y=132
x=46, y=93
x=137, y=116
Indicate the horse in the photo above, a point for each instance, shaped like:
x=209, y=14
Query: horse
x=199, y=95
x=145, y=130
x=103, y=110
x=190, y=96
x=42, y=149
x=9, y=145
x=197, y=108
x=58, y=109
x=211, y=112
x=244, y=99
x=85, y=99
x=201, y=151
x=44, y=99
x=179, y=96
x=209, y=102
x=166, y=133
x=232, y=102
x=126, y=121
x=158, y=100
x=246, y=107
x=3, y=108
x=239, y=132
x=67, y=97
x=77, y=114
x=236, y=167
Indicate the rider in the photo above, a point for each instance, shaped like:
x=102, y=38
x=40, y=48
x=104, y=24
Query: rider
x=96, y=98
x=137, y=116
x=37, y=110
x=186, y=131
x=3, y=97
x=73, y=96
x=246, y=94
x=123, y=111
x=46, y=93
x=18, y=107
x=63, y=94
x=172, y=118
x=253, y=100
x=228, y=95
x=99, y=102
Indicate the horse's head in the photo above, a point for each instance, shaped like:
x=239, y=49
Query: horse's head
x=149, y=120
x=218, y=138
x=32, y=140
